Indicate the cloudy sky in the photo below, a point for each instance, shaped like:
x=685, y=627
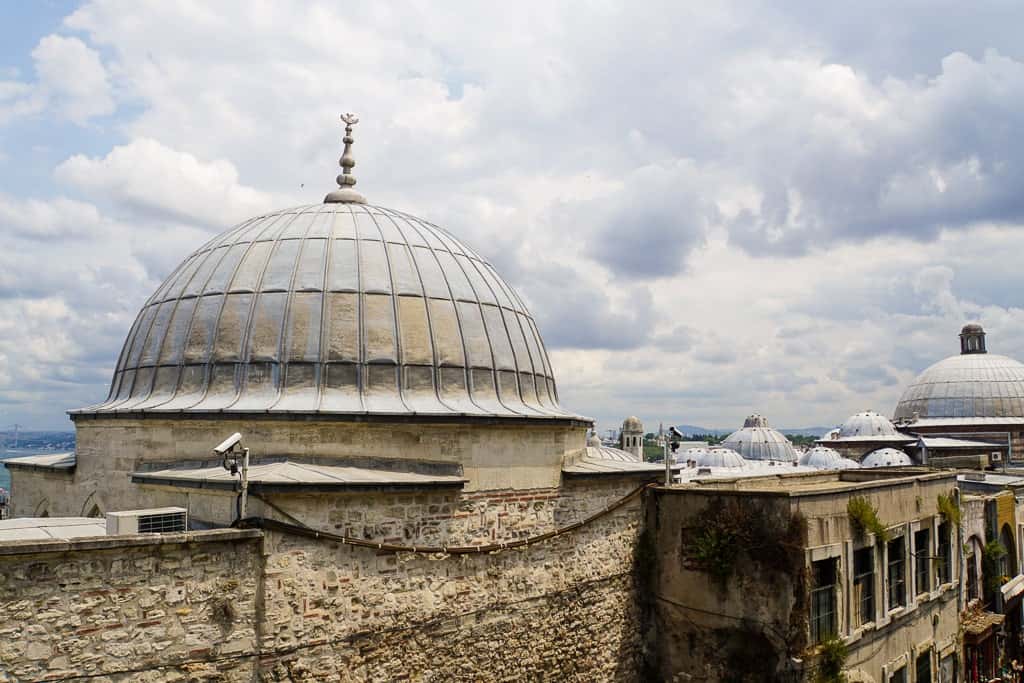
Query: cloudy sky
x=788, y=208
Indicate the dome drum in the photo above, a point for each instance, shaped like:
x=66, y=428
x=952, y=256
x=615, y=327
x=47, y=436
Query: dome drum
x=335, y=309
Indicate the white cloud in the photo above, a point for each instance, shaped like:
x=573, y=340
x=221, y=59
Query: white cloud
x=72, y=74
x=153, y=179
x=711, y=209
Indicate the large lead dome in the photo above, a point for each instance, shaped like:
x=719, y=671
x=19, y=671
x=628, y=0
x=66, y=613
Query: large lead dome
x=335, y=308
x=974, y=384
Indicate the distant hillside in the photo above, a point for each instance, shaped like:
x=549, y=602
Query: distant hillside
x=37, y=440
x=804, y=431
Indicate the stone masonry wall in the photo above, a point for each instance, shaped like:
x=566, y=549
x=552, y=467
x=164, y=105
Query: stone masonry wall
x=563, y=609
x=304, y=610
x=127, y=604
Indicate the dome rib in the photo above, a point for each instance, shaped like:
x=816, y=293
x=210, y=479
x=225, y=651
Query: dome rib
x=334, y=308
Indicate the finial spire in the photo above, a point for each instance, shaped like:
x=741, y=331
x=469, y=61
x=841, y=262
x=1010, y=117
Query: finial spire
x=346, y=181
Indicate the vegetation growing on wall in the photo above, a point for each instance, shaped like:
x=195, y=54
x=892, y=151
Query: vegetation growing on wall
x=949, y=509
x=832, y=655
x=864, y=518
x=991, y=554
x=739, y=529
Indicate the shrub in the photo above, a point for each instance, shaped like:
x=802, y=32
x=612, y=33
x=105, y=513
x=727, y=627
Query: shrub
x=864, y=519
x=949, y=509
x=831, y=661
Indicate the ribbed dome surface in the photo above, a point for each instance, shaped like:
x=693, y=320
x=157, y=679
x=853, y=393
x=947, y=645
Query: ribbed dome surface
x=335, y=308
x=968, y=385
x=720, y=457
x=758, y=441
x=886, y=457
x=868, y=423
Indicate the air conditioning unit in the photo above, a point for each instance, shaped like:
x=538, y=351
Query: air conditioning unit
x=154, y=521
x=997, y=456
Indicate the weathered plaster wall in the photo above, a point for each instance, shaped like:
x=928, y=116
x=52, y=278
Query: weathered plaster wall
x=493, y=456
x=93, y=606
x=744, y=626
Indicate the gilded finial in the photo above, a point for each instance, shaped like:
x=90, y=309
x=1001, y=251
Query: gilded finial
x=346, y=181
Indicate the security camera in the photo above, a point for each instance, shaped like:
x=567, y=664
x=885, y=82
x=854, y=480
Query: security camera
x=228, y=444
x=676, y=433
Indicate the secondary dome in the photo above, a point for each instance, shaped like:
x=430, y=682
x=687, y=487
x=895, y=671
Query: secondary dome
x=886, y=457
x=340, y=308
x=758, y=441
x=720, y=457
x=868, y=423
x=973, y=384
x=821, y=458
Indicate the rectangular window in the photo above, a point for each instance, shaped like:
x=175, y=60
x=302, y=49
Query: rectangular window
x=923, y=667
x=944, y=565
x=899, y=675
x=864, y=584
x=897, y=573
x=922, y=562
x=824, y=574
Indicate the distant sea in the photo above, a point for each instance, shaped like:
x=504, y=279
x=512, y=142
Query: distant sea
x=5, y=476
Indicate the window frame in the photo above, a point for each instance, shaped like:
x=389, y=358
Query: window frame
x=922, y=562
x=824, y=596
x=896, y=574
x=864, y=586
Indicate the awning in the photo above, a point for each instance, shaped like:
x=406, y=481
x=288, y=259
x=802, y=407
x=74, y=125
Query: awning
x=1012, y=589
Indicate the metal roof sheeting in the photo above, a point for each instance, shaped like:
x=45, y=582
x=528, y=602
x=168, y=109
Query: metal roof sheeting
x=56, y=461
x=289, y=474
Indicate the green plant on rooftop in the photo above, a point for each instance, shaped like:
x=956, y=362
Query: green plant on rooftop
x=864, y=518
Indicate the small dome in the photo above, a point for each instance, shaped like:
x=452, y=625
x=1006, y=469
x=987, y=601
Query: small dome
x=972, y=328
x=821, y=458
x=758, y=441
x=868, y=423
x=846, y=464
x=632, y=424
x=719, y=457
x=886, y=457
x=609, y=453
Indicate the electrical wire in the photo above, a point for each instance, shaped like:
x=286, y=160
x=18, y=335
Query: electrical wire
x=307, y=532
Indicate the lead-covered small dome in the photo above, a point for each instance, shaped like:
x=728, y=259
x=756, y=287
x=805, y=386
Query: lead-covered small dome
x=886, y=457
x=973, y=384
x=335, y=308
x=757, y=441
x=720, y=457
x=867, y=423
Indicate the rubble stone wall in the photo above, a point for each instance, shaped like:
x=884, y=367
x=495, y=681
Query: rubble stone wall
x=123, y=605
x=302, y=609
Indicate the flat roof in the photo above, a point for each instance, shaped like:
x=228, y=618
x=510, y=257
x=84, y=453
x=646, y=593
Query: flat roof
x=46, y=528
x=48, y=461
x=809, y=483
